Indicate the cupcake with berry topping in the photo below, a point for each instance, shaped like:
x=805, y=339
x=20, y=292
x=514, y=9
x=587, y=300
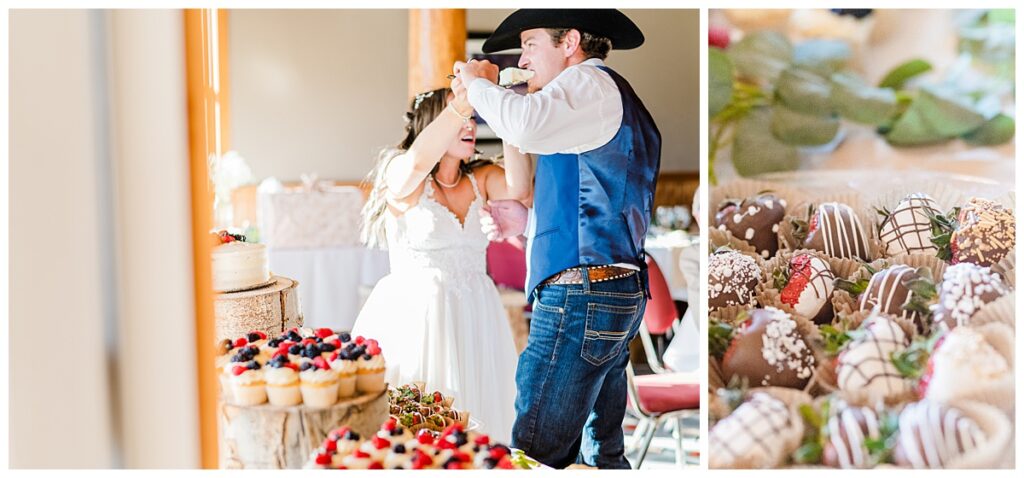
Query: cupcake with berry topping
x=346, y=441
x=248, y=386
x=318, y=383
x=370, y=375
x=346, y=373
x=282, y=378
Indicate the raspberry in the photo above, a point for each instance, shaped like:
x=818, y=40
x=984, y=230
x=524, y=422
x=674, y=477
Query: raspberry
x=359, y=340
x=324, y=333
x=718, y=37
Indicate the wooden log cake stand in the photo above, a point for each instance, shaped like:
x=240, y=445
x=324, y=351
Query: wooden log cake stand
x=271, y=437
x=272, y=309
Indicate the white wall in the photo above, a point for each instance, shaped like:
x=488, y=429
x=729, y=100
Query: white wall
x=102, y=368
x=323, y=90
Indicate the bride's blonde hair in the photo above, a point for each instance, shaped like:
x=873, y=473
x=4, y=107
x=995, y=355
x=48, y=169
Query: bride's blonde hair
x=423, y=109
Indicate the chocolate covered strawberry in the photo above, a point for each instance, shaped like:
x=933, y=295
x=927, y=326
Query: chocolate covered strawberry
x=807, y=287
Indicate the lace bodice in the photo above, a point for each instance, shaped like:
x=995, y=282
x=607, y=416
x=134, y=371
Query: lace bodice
x=428, y=235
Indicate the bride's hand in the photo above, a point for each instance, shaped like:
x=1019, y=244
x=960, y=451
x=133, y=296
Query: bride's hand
x=502, y=219
x=460, y=101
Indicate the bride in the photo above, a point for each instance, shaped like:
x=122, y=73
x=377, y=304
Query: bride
x=438, y=316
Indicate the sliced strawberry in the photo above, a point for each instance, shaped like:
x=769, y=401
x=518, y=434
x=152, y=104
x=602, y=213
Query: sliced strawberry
x=373, y=350
x=799, y=277
x=241, y=342
x=360, y=454
x=332, y=357
x=359, y=340
x=373, y=342
x=497, y=452
x=380, y=443
x=438, y=398
x=375, y=466
x=320, y=363
x=330, y=445
x=324, y=333
x=453, y=465
x=505, y=463
x=239, y=369
x=262, y=335
x=424, y=437
x=307, y=341
x=336, y=343
x=390, y=425
x=464, y=457
x=292, y=366
x=482, y=440
x=323, y=459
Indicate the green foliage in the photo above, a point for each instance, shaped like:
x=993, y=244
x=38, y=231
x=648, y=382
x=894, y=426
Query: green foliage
x=767, y=98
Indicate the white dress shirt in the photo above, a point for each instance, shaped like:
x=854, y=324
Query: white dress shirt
x=578, y=111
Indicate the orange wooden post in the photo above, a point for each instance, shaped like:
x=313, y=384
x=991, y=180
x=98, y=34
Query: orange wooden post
x=205, y=57
x=437, y=39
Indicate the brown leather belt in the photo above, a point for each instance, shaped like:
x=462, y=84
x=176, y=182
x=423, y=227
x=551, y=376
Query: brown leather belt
x=574, y=275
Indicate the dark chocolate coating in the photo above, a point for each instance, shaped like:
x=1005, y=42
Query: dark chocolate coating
x=746, y=358
x=758, y=217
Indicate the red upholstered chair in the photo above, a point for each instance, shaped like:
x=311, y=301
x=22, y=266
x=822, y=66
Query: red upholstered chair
x=506, y=264
x=656, y=398
x=659, y=315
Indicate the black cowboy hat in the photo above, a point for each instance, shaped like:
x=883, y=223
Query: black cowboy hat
x=609, y=23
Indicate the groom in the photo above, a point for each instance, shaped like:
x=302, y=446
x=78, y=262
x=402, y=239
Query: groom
x=599, y=152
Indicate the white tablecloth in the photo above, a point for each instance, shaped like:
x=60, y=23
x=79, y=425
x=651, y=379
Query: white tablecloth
x=330, y=280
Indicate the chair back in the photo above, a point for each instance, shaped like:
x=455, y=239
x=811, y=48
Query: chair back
x=506, y=264
x=660, y=313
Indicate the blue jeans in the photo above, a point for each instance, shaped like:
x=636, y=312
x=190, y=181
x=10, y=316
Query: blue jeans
x=571, y=378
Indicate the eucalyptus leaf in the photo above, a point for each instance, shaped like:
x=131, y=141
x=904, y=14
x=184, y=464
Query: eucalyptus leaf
x=897, y=77
x=720, y=78
x=822, y=56
x=861, y=103
x=755, y=149
x=761, y=56
x=995, y=131
x=804, y=91
x=802, y=129
x=935, y=115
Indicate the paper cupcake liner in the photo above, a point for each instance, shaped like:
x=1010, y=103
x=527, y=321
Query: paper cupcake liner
x=728, y=314
x=1006, y=268
x=745, y=188
x=846, y=303
x=715, y=380
x=719, y=238
x=998, y=430
x=999, y=394
x=999, y=311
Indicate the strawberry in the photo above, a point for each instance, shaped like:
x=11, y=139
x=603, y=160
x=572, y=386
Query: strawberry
x=241, y=342
x=341, y=467
x=262, y=335
x=307, y=341
x=390, y=425
x=336, y=343
x=375, y=466
x=438, y=398
x=372, y=350
x=482, y=440
x=330, y=445
x=926, y=377
x=453, y=465
x=421, y=460
x=338, y=433
x=461, y=456
x=320, y=363
x=239, y=369
x=813, y=225
x=359, y=340
x=799, y=277
x=372, y=342
x=292, y=366
x=332, y=357
x=718, y=37
x=380, y=443
x=360, y=454
x=324, y=333
x=323, y=458
x=497, y=452
x=424, y=437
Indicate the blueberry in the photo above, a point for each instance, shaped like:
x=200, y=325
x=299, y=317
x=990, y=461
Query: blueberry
x=294, y=349
x=490, y=463
x=253, y=365
x=460, y=439
x=305, y=366
x=399, y=448
x=294, y=336
x=503, y=447
x=326, y=348
x=360, y=349
x=397, y=431
x=351, y=435
x=450, y=461
x=237, y=358
x=345, y=337
x=273, y=343
x=253, y=337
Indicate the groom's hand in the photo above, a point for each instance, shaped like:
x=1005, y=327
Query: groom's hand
x=476, y=69
x=503, y=218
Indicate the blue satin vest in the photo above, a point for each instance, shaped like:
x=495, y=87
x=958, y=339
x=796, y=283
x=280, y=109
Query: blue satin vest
x=594, y=208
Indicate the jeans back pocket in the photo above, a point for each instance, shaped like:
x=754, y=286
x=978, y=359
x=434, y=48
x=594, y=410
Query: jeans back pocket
x=607, y=329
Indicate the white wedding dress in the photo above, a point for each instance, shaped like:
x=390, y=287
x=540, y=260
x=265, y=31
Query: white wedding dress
x=438, y=316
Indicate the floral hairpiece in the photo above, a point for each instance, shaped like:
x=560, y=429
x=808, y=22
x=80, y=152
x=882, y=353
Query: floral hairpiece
x=420, y=97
